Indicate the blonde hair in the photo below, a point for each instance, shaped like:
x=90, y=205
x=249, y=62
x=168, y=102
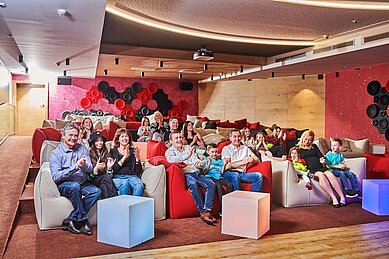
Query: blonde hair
x=117, y=136
x=307, y=133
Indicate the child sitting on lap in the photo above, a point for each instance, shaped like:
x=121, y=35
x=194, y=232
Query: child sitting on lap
x=301, y=166
x=335, y=163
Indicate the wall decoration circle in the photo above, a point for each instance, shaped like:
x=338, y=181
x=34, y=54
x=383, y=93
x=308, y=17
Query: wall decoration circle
x=120, y=104
x=85, y=102
x=103, y=86
x=152, y=88
x=136, y=104
x=137, y=87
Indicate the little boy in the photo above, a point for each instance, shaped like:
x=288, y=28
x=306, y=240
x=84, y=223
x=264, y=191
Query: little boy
x=335, y=163
x=214, y=169
x=177, y=153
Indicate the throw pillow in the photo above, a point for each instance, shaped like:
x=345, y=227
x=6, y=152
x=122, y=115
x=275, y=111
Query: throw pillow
x=203, y=119
x=209, y=131
x=200, y=131
x=161, y=160
x=191, y=118
x=120, y=123
x=155, y=148
x=225, y=132
x=204, y=124
x=268, y=132
x=210, y=125
x=254, y=125
x=300, y=132
x=197, y=123
x=291, y=135
x=97, y=125
x=221, y=145
x=240, y=124
x=59, y=124
x=48, y=124
x=345, y=146
x=213, y=138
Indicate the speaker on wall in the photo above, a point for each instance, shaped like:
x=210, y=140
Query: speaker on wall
x=186, y=86
x=64, y=80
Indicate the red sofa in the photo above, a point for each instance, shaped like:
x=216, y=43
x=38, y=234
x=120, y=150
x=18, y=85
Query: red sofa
x=377, y=166
x=179, y=199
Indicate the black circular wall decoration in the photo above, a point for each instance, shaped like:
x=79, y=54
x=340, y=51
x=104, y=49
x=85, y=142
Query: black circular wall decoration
x=103, y=86
x=378, y=111
x=137, y=87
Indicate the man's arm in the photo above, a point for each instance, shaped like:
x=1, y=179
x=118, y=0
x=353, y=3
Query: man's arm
x=173, y=157
x=57, y=173
x=88, y=167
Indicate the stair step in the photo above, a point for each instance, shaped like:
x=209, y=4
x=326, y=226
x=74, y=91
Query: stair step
x=28, y=193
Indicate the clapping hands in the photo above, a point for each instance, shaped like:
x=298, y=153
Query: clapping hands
x=80, y=163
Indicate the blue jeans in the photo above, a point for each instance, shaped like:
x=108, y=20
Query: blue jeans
x=193, y=181
x=128, y=184
x=343, y=175
x=236, y=177
x=74, y=191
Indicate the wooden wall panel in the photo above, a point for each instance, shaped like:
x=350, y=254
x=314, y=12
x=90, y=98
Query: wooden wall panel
x=287, y=102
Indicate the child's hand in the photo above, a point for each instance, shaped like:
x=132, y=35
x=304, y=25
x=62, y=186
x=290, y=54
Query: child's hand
x=284, y=157
x=322, y=160
x=201, y=163
x=342, y=166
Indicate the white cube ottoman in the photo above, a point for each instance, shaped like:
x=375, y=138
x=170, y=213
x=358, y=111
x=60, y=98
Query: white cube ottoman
x=375, y=196
x=246, y=214
x=125, y=220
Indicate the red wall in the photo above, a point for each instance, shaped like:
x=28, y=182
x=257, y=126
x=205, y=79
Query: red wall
x=67, y=97
x=346, y=102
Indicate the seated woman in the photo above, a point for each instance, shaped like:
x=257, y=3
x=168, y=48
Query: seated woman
x=247, y=139
x=127, y=167
x=278, y=139
x=87, y=126
x=157, y=128
x=315, y=163
x=102, y=163
x=261, y=148
x=192, y=138
x=144, y=132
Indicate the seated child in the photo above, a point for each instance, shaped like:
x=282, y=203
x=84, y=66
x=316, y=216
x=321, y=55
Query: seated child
x=301, y=166
x=335, y=163
x=261, y=147
x=214, y=169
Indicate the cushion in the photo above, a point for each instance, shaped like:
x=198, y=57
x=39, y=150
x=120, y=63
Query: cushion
x=202, y=119
x=221, y=145
x=52, y=134
x=210, y=125
x=300, y=132
x=98, y=125
x=209, y=131
x=268, y=132
x=291, y=135
x=120, y=123
x=213, y=138
x=225, y=132
x=254, y=125
x=200, y=131
x=112, y=130
x=204, y=124
x=59, y=124
x=323, y=146
x=151, y=118
x=155, y=148
x=359, y=145
x=240, y=124
x=345, y=146
x=191, y=118
x=48, y=124
x=197, y=123
x=161, y=160
x=227, y=124
x=133, y=125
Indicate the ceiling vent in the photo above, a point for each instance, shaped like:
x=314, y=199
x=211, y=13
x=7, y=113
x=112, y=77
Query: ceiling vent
x=376, y=37
x=203, y=55
x=332, y=47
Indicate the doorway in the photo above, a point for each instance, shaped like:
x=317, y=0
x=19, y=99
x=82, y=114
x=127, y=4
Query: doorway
x=30, y=108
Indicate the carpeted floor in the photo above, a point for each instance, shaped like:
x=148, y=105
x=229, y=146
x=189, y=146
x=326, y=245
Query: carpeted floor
x=28, y=242
x=14, y=162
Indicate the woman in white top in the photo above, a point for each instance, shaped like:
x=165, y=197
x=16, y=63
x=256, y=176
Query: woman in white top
x=144, y=132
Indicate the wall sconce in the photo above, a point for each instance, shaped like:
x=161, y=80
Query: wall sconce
x=180, y=76
x=116, y=61
x=303, y=76
x=161, y=64
x=205, y=66
x=67, y=61
x=241, y=69
x=142, y=74
x=105, y=72
x=272, y=74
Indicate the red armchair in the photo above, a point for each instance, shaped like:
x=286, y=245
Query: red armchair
x=377, y=166
x=40, y=135
x=179, y=199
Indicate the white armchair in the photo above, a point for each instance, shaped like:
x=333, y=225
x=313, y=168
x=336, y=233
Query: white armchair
x=289, y=190
x=51, y=208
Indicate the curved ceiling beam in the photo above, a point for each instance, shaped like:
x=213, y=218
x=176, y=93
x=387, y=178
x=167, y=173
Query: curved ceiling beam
x=358, y=5
x=198, y=33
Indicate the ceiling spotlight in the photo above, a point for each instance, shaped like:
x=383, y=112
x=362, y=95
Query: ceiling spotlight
x=26, y=70
x=211, y=77
x=67, y=61
x=116, y=61
x=161, y=64
x=205, y=66
x=105, y=72
x=142, y=74
x=20, y=58
x=241, y=69
x=58, y=64
x=3, y=5
x=10, y=36
x=64, y=73
x=354, y=21
x=180, y=76
x=303, y=76
x=61, y=12
x=272, y=74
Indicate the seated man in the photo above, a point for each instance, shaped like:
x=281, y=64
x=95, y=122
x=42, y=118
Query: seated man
x=173, y=126
x=236, y=157
x=70, y=164
x=184, y=153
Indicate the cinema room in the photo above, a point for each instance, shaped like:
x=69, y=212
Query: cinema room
x=194, y=129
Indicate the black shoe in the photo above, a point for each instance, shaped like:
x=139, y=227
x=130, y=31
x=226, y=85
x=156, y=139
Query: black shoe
x=359, y=193
x=336, y=205
x=71, y=226
x=86, y=229
x=350, y=193
x=310, y=175
x=342, y=204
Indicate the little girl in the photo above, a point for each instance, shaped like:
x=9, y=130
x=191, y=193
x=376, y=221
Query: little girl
x=301, y=166
x=247, y=139
x=101, y=176
x=144, y=132
x=261, y=145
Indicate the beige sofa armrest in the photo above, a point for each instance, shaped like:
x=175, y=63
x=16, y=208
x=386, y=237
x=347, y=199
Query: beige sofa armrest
x=47, y=148
x=358, y=167
x=45, y=183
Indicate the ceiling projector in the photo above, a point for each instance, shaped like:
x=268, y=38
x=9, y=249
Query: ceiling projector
x=203, y=55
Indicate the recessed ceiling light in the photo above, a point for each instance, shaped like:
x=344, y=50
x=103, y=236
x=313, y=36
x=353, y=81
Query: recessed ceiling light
x=3, y=5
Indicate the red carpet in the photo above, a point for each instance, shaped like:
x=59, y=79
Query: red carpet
x=15, y=159
x=28, y=242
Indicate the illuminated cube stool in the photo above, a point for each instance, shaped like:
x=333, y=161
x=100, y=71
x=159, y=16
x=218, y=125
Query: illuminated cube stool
x=125, y=220
x=375, y=196
x=246, y=214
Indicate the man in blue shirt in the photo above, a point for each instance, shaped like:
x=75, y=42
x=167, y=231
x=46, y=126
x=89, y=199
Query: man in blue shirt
x=69, y=165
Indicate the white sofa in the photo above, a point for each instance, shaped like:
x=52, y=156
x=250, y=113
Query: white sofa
x=289, y=190
x=51, y=208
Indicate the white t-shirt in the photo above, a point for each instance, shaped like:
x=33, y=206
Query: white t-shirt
x=173, y=155
x=236, y=154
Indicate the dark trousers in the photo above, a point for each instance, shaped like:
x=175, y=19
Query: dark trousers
x=220, y=190
x=106, y=185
